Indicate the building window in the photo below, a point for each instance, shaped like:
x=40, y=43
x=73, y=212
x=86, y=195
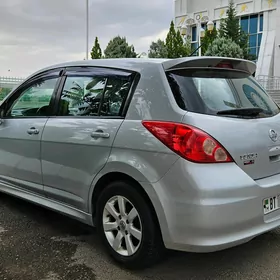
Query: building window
x=194, y=38
x=261, y=23
x=194, y=42
x=253, y=26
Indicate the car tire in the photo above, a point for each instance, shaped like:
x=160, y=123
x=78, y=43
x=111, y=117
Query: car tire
x=131, y=237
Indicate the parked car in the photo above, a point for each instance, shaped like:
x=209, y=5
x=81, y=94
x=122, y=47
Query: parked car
x=181, y=154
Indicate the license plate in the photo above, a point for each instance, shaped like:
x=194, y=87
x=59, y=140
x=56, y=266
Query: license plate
x=271, y=204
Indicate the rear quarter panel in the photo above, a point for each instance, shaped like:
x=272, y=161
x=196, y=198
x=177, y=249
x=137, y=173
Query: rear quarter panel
x=153, y=98
x=136, y=148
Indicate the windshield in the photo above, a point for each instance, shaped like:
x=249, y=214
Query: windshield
x=213, y=91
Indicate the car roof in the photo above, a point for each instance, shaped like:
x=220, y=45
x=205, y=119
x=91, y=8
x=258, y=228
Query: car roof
x=137, y=64
x=132, y=64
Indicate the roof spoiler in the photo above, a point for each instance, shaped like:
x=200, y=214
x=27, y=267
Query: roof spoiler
x=211, y=62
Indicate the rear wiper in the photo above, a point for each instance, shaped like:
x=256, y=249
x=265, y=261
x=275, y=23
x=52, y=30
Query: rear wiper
x=242, y=112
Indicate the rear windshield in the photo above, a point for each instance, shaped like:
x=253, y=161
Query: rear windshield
x=209, y=91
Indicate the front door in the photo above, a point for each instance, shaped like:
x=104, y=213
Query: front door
x=26, y=113
x=77, y=142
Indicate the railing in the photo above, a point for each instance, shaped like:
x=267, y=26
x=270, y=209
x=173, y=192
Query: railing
x=10, y=81
x=269, y=82
x=7, y=84
x=272, y=86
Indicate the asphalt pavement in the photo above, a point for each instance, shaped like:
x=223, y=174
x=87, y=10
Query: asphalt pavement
x=38, y=244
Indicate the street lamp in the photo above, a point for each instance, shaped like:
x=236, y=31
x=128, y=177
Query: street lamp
x=200, y=30
x=87, y=28
x=201, y=35
x=210, y=26
x=184, y=30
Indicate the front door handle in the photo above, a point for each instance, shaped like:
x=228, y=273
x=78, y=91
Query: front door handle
x=100, y=134
x=32, y=131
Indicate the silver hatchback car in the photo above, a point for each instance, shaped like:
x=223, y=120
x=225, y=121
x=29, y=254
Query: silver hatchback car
x=181, y=154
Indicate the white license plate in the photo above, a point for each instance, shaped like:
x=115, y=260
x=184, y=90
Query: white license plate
x=271, y=204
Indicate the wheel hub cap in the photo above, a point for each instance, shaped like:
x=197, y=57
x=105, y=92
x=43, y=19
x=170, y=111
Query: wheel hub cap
x=122, y=225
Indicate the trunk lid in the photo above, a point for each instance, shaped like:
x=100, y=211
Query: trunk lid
x=222, y=98
x=248, y=141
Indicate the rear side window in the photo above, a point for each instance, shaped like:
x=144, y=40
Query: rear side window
x=210, y=91
x=94, y=95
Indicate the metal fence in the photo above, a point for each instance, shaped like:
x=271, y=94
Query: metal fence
x=7, y=84
x=269, y=82
x=272, y=86
x=10, y=82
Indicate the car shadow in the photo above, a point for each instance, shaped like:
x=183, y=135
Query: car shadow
x=254, y=260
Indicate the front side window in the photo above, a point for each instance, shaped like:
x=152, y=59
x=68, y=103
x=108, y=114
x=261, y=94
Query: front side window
x=35, y=100
x=94, y=95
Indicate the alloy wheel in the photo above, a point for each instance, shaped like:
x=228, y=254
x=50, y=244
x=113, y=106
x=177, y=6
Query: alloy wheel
x=122, y=225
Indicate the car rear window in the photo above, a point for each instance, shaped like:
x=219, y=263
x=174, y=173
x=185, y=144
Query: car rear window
x=209, y=91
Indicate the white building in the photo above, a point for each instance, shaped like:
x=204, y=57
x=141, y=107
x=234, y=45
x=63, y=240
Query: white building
x=259, y=18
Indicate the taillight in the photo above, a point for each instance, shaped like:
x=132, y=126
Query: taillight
x=189, y=142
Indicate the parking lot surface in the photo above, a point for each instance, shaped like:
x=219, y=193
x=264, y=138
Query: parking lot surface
x=38, y=244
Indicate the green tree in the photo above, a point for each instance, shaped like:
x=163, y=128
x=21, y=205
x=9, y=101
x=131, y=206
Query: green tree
x=171, y=44
x=4, y=92
x=158, y=49
x=119, y=48
x=183, y=48
x=208, y=39
x=96, y=52
x=188, y=46
x=175, y=45
x=230, y=28
x=224, y=47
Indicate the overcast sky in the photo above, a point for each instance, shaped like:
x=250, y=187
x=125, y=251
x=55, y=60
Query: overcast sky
x=38, y=33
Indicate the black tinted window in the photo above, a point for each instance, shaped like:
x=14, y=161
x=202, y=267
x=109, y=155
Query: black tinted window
x=211, y=91
x=34, y=100
x=81, y=96
x=94, y=95
x=117, y=89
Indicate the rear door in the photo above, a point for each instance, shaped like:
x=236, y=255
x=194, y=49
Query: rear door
x=77, y=142
x=26, y=113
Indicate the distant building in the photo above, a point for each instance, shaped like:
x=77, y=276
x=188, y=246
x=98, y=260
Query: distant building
x=259, y=18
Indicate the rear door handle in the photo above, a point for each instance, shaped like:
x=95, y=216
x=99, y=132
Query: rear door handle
x=100, y=134
x=32, y=131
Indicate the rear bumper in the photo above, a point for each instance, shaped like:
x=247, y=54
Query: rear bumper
x=206, y=208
